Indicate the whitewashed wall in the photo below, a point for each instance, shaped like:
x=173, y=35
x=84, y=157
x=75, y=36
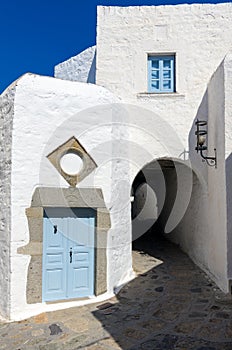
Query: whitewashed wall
x=228, y=154
x=205, y=238
x=47, y=112
x=6, y=120
x=81, y=67
x=199, y=36
x=217, y=215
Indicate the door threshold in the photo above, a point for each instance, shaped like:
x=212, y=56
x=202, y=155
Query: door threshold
x=68, y=300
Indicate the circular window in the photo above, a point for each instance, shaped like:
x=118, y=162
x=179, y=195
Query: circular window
x=71, y=163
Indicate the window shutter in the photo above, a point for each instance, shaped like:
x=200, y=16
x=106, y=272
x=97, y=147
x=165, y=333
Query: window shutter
x=161, y=71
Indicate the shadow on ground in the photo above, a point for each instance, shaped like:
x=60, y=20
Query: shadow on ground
x=174, y=305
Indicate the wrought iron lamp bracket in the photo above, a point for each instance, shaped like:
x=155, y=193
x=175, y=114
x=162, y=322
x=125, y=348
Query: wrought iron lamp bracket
x=201, y=139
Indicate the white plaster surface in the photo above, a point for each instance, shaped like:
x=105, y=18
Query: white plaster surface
x=81, y=67
x=205, y=237
x=47, y=113
x=6, y=121
x=228, y=154
x=125, y=36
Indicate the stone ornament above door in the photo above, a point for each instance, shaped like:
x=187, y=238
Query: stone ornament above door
x=72, y=161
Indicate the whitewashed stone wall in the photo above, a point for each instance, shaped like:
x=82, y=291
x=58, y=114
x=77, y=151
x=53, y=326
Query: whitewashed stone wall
x=80, y=68
x=199, y=36
x=228, y=154
x=6, y=122
x=205, y=238
x=217, y=215
x=47, y=112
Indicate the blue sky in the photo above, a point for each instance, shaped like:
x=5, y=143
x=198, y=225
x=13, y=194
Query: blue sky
x=38, y=34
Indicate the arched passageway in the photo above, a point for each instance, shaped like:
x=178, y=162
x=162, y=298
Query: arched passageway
x=159, y=187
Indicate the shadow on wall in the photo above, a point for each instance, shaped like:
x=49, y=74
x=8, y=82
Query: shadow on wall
x=229, y=216
x=148, y=190
x=202, y=114
x=213, y=199
x=92, y=72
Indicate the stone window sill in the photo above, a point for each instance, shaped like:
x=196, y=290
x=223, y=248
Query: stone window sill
x=154, y=95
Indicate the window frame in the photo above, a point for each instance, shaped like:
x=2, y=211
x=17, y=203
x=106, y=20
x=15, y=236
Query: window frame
x=161, y=69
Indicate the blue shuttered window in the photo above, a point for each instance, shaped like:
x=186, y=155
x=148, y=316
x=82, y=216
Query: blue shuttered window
x=161, y=74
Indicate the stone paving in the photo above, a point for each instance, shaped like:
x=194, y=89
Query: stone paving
x=170, y=305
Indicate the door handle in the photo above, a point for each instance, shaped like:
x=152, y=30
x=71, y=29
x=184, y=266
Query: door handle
x=55, y=229
x=70, y=255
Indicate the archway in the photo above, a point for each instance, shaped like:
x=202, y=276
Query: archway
x=156, y=188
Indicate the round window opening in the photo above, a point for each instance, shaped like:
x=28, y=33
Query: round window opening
x=71, y=163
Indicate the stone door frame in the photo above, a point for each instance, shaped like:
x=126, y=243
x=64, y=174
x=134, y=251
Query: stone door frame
x=64, y=197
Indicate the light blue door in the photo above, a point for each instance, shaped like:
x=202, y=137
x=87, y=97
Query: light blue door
x=68, y=253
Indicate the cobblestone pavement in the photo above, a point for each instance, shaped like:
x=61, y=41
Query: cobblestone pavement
x=170, y=305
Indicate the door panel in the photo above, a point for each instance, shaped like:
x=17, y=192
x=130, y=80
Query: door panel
x=81, y=272
x=68, y=253
x=54, y=256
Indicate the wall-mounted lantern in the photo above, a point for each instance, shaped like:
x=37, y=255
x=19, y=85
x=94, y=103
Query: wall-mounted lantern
x=201, y=134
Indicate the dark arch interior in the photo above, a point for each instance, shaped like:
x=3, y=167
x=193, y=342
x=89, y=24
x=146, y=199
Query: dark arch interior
x=161, y=177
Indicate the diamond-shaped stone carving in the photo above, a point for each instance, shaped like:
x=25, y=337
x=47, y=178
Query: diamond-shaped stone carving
x=72, y=146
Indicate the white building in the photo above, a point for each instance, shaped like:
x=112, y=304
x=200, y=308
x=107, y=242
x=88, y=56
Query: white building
x=73, y=148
